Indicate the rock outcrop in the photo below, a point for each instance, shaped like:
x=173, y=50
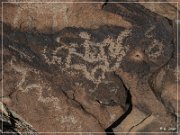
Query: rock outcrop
x=89, y=68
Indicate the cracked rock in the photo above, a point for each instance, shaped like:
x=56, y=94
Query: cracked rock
x=87, y=68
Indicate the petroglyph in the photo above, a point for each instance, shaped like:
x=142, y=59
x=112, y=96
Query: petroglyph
x=155, y=50
x=96, y=56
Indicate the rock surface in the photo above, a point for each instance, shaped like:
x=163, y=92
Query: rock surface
x=90, y=67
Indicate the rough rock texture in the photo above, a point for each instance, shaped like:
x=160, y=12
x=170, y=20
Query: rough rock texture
x=12, y=122
x=90, y=67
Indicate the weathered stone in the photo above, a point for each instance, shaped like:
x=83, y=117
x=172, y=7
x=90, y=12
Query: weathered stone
x=11, y=122
x=105, y=67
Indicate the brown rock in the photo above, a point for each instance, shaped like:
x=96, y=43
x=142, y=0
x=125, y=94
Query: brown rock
x=90, y=67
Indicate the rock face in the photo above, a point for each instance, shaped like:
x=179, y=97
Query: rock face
x=89, y=68
x=12, y=122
